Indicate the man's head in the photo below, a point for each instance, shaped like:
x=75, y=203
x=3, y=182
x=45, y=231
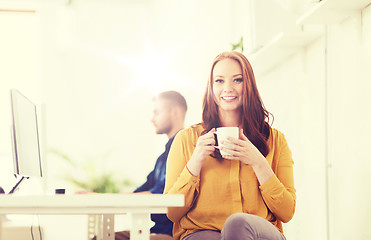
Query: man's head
x=169, y=112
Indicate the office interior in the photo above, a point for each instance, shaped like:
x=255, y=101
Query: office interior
x=92, y=67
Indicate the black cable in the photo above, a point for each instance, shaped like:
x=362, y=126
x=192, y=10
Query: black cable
x=38, y=219
x=17, y=185
x=32, y=231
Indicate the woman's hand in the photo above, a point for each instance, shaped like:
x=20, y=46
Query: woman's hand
x=243, y=150
x=204, y=147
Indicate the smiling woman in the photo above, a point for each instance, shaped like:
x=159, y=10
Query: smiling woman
x=251, y=114
x=252, y=185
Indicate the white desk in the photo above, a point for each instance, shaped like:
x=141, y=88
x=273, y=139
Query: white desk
x=140, y=206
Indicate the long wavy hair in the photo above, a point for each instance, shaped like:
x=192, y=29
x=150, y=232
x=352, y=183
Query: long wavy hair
x=255, y=117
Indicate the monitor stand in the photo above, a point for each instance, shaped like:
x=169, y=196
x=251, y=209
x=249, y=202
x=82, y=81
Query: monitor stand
x=17, y=185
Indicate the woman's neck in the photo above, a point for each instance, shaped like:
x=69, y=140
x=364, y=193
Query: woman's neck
x=230, y=119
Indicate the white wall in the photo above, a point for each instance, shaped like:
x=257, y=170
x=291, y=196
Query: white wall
x=349, y=126
x=321, y=103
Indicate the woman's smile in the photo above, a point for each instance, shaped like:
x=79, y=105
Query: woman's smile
x=229, y=98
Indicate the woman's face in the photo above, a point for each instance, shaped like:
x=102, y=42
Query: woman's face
x=227, y=85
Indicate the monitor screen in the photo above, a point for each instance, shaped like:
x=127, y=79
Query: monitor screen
x=25, y=136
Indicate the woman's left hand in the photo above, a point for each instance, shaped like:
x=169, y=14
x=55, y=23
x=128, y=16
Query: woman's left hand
x=242, y=150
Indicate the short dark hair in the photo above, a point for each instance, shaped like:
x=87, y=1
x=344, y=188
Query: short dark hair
x=174, y=97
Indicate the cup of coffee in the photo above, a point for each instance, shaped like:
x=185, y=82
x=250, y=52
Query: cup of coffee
x=223, y=132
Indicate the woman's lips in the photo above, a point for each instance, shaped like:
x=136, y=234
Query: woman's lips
x=229, y=98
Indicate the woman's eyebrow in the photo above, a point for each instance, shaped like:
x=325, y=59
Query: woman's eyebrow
x=237, y=75
x=221, y=76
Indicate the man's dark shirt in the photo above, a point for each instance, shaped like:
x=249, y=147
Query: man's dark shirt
x=155, y=184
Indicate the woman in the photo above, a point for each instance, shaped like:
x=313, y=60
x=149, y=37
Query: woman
x=244, y=195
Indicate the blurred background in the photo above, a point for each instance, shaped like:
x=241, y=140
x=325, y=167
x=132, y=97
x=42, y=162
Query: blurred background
x=93, y=66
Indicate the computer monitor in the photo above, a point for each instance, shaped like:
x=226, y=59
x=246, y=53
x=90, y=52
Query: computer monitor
x=25, y=138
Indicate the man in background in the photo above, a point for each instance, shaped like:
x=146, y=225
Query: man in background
x=168, y=118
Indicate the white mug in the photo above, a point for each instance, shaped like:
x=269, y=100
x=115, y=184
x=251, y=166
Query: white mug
x=223, y=132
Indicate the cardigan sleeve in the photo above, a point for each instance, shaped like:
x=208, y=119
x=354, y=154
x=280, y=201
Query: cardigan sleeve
x=178, y=179
x=279, y=192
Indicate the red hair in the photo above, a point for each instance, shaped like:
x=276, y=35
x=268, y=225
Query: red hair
x=255, y=118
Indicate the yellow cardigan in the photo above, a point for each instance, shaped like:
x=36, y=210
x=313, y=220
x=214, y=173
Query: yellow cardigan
x=226, y=187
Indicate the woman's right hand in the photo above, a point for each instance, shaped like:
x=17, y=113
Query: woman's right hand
x=204, y=147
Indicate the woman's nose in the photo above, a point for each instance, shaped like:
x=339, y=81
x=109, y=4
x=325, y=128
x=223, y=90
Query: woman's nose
x=228, y=87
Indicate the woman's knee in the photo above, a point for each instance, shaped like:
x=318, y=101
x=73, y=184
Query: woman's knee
x=248, y=226
x=234, y=225
x=240, y=226
x=237, y=220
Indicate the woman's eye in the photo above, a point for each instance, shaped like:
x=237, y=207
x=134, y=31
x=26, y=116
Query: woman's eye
x=219, y=80
x=238, y=80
